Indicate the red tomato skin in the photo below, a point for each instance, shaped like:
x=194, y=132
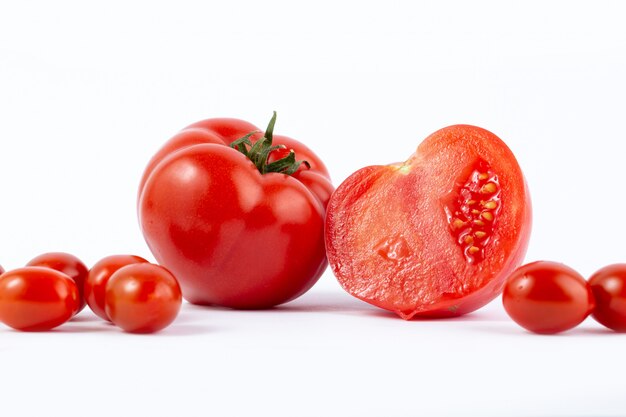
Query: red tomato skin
x=70, y=265
x=609, y=291
x=232, y=236
x=228, y=128
x=37, y=298
x=547, y=297
x=142, y=298
x=303, y=153
x=403, y=201
x=224, y=131
x=221, y=131
x=99, y=274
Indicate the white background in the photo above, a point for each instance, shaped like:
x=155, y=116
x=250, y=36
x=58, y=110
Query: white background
x=89, y=91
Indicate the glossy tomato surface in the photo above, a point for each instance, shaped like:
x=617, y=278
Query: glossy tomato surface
x=142, y=298
x=37, y=298
x=437, y=235
x=224, y=131
x=547, y=297
x=99, y=274
x=231, y=235
x=609, y=291
x=69, y=264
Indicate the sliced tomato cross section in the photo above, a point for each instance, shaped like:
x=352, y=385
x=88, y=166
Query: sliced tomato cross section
x=436, y=235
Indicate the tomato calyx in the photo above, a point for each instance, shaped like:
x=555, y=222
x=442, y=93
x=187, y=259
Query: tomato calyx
x=260, y=151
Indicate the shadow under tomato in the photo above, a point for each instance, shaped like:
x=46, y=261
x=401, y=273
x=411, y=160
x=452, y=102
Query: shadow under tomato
x=85, y=318
x=185, y=330
x=308, y=303
x=326, y=302
x=68, y=328
x=514, y=330
x=343, y=304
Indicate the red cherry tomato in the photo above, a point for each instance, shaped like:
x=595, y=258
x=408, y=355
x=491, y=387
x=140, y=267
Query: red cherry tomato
x=142, y=298
x=234, y=233
x=70, y=265
x=437, y=235
x=99, y=274
x=609, y=291
x=547, y=297
x=36, y=298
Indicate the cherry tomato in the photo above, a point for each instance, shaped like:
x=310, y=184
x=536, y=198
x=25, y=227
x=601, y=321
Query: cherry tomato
x=36, y=298
x=1, y=270
x=142, y=298
x=609, y=291
x=99, y=274
x=437, y=235
x=547, y=297
x=239, y=226
x=70, y=265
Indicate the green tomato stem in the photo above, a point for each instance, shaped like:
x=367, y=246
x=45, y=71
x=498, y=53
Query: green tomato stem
x=260, y=151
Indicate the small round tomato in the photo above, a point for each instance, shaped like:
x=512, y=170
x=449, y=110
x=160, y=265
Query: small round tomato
x=36, y=298
x=69, y=264
x=609, y=291
x=99, y=274
x=142, y=298
x=547, y=297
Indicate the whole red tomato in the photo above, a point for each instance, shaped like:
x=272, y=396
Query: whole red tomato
x=609, y=291
x=36, y=298
x=142, y=298
x=69, y=264
x=547, y=297
x=98, y=276
x=436, y=235
x=241, y=225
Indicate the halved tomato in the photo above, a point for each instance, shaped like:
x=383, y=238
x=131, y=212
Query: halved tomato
x=434, y=236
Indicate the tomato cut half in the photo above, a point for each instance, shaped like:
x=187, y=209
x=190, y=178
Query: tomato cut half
x=437, y=235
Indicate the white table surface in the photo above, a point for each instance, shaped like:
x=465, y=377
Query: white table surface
x=323, y=354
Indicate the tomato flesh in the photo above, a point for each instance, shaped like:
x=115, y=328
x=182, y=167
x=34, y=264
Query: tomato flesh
x=609, y=290
x=437, y=235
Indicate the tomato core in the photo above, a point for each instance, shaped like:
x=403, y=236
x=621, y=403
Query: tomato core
x=473, y=210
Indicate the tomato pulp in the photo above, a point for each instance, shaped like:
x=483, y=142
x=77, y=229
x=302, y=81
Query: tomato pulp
x=437, y=235
x=240, y=226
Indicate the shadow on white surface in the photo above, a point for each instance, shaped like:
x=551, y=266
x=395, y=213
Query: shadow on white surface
x=83, y=317
x=586, y=329
x=338, y=303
